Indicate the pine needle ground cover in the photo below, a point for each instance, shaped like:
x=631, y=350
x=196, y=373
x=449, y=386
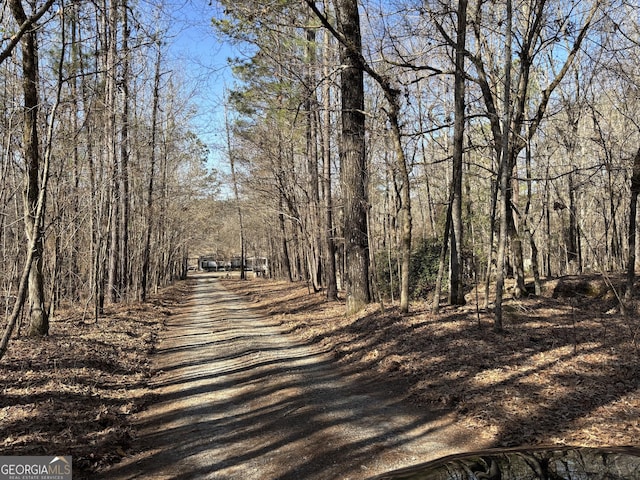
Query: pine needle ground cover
x=566, y=370
x=74, y=392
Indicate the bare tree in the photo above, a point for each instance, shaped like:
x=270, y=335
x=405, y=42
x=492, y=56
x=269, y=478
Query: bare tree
x=146, y=253
x=505, y=174
x=456, y=287
x=39, y=323
x=236, y=195
x=34, y=237
x=351, y=52
x=353, y=158
x=328, y=237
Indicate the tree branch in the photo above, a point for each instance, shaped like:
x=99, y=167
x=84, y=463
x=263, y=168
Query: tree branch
x=546, y=94
x=24, y=28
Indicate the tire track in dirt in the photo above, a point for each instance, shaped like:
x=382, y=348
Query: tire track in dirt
x=238, y=397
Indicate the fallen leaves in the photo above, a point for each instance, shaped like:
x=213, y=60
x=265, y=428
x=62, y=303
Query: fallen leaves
x=564, y=372
x=74, y=392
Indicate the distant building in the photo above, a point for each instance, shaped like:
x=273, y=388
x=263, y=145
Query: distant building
x=236, y=262
x=208, y=263
x=259, y=265
x=213, y=263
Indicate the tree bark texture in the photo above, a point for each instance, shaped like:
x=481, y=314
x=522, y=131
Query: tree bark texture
x=456, y=287
x=633, y=210
x=146, y=254
x=327, y=218
x=353, y=160
x=39, y=321
x=505, y=174
x=112, y=290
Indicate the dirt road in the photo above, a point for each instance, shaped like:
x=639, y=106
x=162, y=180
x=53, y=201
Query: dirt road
x=240, y=398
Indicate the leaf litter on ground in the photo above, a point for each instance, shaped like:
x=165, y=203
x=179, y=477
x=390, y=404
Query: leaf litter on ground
x=565, y=371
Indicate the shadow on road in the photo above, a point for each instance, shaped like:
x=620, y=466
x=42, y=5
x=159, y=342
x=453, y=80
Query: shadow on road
x=240, y=398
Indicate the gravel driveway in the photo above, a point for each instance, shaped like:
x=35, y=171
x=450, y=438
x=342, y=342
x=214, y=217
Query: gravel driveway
x=238, y=397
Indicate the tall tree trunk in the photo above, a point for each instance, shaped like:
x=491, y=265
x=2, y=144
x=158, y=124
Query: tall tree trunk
x=505, y=171
x=76, y=54
x=34, y=238
x=514, y=237
x=146, y=253
x=330, y=246
x=527, y=228
x=435, y=306
x=547, y=223
x=573, y=252
x=39, y=320
x=125, y=209
x=286, y=259
x=353, y=159
x=236, y=194
x=456, y=287
x=633, y=209
x=312, y=223
x=495, y=189
x=404, y=212
x=111, y=151
x=426, y=181
x=353, y=156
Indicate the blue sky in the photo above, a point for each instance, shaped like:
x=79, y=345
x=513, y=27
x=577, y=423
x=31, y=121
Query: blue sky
x=202, y=56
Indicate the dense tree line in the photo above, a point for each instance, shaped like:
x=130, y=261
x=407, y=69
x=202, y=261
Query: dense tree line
x=505, y=130
x=99, y=167
x=385, y=149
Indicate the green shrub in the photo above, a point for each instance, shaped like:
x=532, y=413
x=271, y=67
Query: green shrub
x=424, y=270
x=424, y=267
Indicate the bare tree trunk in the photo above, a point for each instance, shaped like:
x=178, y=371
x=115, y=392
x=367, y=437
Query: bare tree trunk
x=547, y=222
x=353, y=160
x=34, y=237
x=505, y=176
x=573, y=258
x=236, y=194
x=404, y=189
x=111, y=152
x=526, y=225
x=435, y=306
x=514, y=237
x=353, y=156
x=312, y=224
x=404, y=210
x=146, y=253
x=286, y=259
x=495, y=188
x=330, y=246
x=39, y=320
x=426, y=180
x=76, y=54
x=633, y=209
x=125, y=276
x=456, y=287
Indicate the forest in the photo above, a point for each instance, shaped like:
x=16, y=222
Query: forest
x=400, y=150
x=384, y=151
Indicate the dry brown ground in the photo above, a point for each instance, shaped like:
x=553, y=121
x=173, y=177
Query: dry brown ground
x=565, y=371
x=73, y=392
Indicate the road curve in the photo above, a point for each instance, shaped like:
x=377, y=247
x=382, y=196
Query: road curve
x=238, y=397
